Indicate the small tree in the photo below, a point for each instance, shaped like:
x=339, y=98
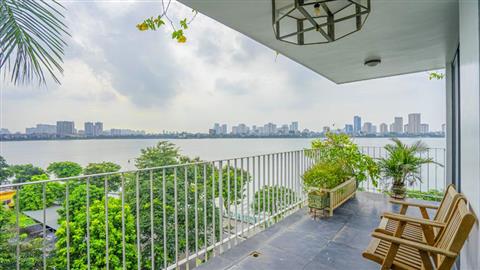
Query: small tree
x=78, y=232
x=402, y=165
x=64, y=169
x=272, y=199
x=30, y=248
x=31, y=195
x=77, y=199
x=104, y=167
x=25, y=172
x=5, y=171
x=340, y=150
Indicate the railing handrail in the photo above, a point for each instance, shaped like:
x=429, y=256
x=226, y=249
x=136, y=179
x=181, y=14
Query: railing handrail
x=203, y=162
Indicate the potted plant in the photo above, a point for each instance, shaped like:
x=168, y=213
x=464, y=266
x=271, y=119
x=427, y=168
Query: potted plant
x=339, y=166
x=402, y=165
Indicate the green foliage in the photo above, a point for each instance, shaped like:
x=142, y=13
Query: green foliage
x=402, y=164
x=431, y=195
x=234, y=182
x=31, y=196
x=114, y=180
x=435, y=75
x=25, y=172
x=31, y=35
x=154, y=23
x=5, y=171
x=273, y=199
x=64, y=169
x=325, y=175
x=338, y=159
x=78, y=245
x=30, y=249
x=165, y=153
x=78, y=199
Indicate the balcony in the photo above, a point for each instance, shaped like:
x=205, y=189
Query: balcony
x=239, y=213
x=302, y=242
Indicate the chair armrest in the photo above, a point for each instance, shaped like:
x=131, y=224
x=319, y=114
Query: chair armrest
x=420, y=221
x=413, y=204
x=416, y=245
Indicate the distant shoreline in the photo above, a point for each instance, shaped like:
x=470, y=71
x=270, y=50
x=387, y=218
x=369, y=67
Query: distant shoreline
x=199, y=137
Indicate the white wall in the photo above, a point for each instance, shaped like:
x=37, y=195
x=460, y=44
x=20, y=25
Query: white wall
x=470, y=121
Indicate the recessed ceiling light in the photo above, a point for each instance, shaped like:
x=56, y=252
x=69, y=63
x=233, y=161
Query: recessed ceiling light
x=372, y=62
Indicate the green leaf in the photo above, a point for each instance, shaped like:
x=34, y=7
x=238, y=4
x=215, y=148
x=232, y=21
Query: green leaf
x=183, y=23
x=32, y=34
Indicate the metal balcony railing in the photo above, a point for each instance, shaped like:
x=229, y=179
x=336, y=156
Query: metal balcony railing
x=433, y=175
x=166, y=217
x=157, y=218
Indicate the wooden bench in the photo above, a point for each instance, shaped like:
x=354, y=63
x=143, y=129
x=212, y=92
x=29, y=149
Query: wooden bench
x=422, y=232
x=397, y=252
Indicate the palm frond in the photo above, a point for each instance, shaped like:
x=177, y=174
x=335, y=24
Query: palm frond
x=31, y=40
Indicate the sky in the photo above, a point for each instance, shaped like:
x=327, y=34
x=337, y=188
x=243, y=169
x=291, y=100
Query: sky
x=145, y=80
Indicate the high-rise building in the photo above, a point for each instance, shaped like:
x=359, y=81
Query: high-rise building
x=285, y=129
x=270, y=129
x=348, y=128
x=367, y=128
x=325, y=129
x=4, y=131
x=397, y=126
x=46, y=129
x=241, y=129
x=89, y=129
x=444, y=128
x=383, y=128
x=218, y=129
x=42, y=129
x=65, y=128
x=98, y=128
x=424, y=128
x=357, y=124
x=414, y=122
x=294, y=127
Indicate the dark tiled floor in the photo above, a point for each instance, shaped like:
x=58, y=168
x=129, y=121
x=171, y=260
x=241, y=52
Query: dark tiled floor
x=299, y=242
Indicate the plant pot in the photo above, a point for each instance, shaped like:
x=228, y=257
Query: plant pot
x=318, y=200
x=329, y=199
x=398, y=191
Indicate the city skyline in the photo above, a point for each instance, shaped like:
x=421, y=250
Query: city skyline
x=357, y=125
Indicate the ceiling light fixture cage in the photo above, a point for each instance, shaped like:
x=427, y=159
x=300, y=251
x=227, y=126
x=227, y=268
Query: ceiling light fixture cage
x=305, y=22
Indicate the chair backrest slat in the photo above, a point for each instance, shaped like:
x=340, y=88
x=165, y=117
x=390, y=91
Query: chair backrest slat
x=459, y=224
x=446, y=204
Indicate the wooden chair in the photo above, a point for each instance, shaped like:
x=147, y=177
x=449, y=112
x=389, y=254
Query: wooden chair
x=427, y=231
x=395, y=252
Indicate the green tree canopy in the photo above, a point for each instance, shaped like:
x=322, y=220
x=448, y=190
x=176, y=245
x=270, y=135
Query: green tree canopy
x=104, y=167
x=339, y=149
x=64, y=169
x=272, y=199
x=5, y=171
x=77, y=199
x=30, y=248
x=25, y=172
x=31, y=195
x=78, y=232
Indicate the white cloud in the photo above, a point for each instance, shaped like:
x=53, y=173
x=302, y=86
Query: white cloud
x=145, y=80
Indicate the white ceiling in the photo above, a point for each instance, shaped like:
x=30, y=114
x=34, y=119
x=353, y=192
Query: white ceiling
x=408, y=35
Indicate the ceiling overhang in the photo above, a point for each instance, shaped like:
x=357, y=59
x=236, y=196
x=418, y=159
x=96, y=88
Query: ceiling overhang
x=407, y=35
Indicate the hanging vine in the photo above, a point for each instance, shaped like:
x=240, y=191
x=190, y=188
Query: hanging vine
x=178, y=31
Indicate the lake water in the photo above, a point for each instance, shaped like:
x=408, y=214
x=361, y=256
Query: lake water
x=124, y=151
